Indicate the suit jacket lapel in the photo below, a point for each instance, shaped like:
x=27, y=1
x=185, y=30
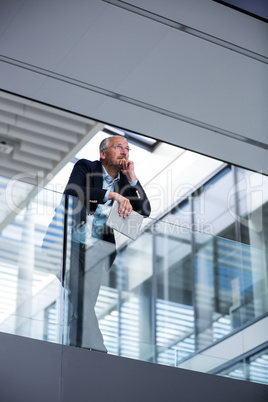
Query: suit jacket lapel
x=97, y=175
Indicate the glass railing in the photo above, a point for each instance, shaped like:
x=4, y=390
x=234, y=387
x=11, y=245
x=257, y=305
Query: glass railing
x=169, y=295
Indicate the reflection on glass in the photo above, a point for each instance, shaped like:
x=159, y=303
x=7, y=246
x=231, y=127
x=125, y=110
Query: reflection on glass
x=213, y=206
x=227, y=275
x=252, y=194
x=28, y=283
x=182, y=215
x=258, y=367
x=173, y=298
x=237, y=371
x=253, y=368
x=168, y=294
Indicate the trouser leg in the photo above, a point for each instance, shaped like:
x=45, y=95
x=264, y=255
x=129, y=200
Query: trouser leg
x=84, y=287
x=92, y=337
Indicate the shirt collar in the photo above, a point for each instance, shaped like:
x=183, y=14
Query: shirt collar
x=108, y=178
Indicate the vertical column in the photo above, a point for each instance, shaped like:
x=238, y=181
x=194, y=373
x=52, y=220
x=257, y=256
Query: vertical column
x=25, y=277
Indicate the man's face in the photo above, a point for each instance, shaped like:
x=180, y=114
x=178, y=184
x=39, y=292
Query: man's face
x=116, y=151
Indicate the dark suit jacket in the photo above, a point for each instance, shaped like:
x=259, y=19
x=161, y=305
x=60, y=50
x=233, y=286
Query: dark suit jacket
x=85, y=183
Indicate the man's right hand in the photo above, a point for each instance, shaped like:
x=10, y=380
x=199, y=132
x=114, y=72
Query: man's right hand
x=125, y=207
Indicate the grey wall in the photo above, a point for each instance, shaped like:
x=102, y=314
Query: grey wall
x=36, y=371
x=191, y=72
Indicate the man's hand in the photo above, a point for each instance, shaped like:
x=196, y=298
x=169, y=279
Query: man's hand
x=125, y=206
x=128, y=169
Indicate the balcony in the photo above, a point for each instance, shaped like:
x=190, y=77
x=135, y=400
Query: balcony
x=173, y=297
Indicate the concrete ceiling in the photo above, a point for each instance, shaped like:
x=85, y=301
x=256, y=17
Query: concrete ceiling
x=190, y=72
x=36, y=141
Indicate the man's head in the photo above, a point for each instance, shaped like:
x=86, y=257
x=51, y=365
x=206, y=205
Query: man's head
x=112, y=151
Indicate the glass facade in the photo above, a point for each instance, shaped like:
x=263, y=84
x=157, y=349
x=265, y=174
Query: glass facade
x=189, y=281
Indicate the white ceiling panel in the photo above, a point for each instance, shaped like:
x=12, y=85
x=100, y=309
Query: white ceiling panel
x=183, y=134
x=18, y=80
x=112, y=48
x=213, y=18
x=205, y=82
x=8, y=11
x=230, y=25
x=170, y=8
x=43, y=32
x=70, y=96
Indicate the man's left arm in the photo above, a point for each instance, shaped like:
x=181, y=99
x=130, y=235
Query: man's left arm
x=134, y=190
x=138, y=198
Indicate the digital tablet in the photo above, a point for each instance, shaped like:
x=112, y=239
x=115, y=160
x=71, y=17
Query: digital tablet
x=129, y=226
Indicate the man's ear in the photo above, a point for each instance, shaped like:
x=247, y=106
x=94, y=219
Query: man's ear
x=102, y=154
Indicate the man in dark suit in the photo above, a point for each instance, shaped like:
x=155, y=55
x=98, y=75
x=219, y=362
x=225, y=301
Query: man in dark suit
x=95, y=185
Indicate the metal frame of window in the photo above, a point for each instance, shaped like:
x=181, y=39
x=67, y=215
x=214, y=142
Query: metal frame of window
x=135, y=139
x=245, y=360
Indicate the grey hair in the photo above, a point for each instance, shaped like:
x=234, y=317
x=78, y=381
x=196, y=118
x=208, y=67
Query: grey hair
x=105, y=142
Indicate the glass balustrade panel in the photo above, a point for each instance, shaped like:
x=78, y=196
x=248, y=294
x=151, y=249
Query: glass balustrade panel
x=162, y=298
x=31, y=245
